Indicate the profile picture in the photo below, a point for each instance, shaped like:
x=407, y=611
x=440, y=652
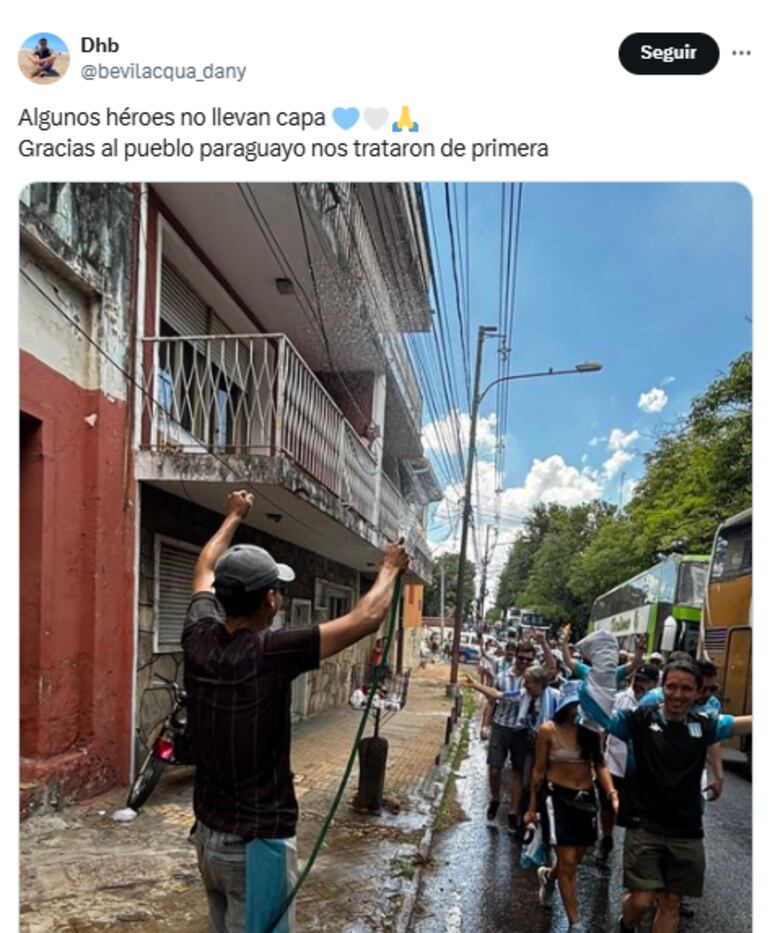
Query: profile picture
x=44, y=58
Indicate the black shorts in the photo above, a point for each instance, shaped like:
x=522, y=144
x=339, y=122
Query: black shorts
x=568, y=817
x=503, y=742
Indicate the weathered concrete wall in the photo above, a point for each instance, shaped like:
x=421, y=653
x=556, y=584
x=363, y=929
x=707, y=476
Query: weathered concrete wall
x=44, y=332
x=165, y=514
x=412, y=622
x=77, y=513
x=77, y=588
x=78, y=248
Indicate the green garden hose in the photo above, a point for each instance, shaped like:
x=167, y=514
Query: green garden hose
x=348, y=767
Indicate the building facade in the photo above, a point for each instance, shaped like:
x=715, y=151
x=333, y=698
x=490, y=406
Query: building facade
x=77, y=509
x=219, y=336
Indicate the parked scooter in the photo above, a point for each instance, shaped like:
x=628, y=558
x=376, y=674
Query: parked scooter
x=172, y=746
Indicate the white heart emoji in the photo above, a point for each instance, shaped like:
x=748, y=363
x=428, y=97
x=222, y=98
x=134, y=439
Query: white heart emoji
x=375, y=117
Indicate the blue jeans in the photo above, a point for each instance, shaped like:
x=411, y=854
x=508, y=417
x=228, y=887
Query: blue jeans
x=227, y=864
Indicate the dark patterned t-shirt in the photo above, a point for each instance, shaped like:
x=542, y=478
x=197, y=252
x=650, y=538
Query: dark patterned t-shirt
x=239, y=711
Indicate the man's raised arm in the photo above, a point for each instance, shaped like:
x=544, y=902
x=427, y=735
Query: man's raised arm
x=367, y=614
x=238, y=505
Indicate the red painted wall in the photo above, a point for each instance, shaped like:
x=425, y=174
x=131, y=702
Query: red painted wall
x=77, y=568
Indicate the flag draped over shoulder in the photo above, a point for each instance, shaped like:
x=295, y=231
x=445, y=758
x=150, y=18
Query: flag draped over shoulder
x=600, y=649
x=545, y=710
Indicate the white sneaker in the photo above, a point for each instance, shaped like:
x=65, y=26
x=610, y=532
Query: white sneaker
x=543, y=883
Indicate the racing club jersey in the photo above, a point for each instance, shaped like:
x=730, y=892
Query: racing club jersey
x=669, y=757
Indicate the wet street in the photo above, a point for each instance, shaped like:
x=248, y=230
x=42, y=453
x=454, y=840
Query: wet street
x=475, y=884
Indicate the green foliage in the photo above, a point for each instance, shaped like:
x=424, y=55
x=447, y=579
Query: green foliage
x=701, y=474
x=432, y=597
x=614, y=554
x=568, y=532
x=695, y=477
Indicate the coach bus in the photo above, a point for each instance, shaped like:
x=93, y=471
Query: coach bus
x=726, y=630
x=666, y=598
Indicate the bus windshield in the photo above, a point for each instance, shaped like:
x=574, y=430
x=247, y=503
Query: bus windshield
x=692, y=583
x=654, y=585
x=732, y=553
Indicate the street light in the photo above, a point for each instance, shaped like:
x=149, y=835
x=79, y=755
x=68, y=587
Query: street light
x=586, y=367
x=589, y=367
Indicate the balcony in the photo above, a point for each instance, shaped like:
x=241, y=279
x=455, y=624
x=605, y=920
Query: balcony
x=237, y=399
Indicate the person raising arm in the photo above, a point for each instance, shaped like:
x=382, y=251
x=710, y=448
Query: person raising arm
x=238, y=676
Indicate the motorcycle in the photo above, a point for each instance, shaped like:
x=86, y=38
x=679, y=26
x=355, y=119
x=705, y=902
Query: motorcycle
x=172, y=746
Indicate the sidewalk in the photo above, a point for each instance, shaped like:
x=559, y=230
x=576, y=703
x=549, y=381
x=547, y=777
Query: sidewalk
x=81, y=871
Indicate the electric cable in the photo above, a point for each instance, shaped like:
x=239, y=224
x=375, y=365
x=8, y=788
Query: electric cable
x=447, y=372
x=458, y=292
x=366, y=276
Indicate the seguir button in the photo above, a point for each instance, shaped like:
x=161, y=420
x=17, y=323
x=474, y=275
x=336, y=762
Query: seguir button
x=668, y=53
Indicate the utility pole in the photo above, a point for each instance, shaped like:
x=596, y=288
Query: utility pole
x=478, y=397
x=442, y=598
x=620, y=493
x=452, y=687
x=483, y=589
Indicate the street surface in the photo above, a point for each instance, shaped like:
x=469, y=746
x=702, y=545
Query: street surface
x=81, y=871
x=475, y=884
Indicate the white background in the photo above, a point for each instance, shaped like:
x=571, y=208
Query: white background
x=471, y=71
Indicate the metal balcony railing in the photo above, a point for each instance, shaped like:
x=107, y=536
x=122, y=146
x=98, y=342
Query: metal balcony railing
x=253, y=394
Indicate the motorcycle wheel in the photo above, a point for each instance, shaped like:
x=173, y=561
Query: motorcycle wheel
x=145, y=781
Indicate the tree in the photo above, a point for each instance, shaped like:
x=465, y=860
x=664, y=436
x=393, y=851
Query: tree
x=569, y=532
x=491, y=616
x=613, y=555
x=521, y=556
x=699, y=475
x=432, y=598
x=696, y=475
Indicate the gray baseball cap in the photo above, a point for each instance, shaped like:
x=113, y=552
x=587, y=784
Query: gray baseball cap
x=248, y=568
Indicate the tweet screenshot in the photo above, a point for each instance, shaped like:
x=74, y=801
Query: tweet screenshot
x=385, y=403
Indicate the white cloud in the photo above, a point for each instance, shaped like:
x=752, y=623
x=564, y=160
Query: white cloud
x=619, y=459
x=619, y=441
x=595, y=441
x=444, y=429
x=584, y=458
x=667, y=380
x=653, y=401
x=548, y=480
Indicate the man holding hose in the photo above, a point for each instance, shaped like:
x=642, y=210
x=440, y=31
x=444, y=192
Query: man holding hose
x=238, y=679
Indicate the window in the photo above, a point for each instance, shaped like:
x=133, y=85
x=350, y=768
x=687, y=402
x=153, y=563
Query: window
x=732, y=554
x=692, y=583
x=174, y=566
x=333, y=599
x=653, y=585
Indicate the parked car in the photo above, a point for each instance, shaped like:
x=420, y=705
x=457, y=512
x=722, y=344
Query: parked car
x=469, y=654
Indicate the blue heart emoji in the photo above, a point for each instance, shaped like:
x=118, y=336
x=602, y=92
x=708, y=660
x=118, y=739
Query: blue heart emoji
x=345, y=117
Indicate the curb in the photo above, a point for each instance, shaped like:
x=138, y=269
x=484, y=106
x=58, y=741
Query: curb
x=438, y=780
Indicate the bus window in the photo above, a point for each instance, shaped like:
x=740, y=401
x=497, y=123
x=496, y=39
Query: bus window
x=666, y=574
x=732, y=554
x=692, y=583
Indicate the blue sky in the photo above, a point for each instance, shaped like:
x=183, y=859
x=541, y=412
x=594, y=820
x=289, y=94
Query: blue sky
x=652, y=280
x=54, y=42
